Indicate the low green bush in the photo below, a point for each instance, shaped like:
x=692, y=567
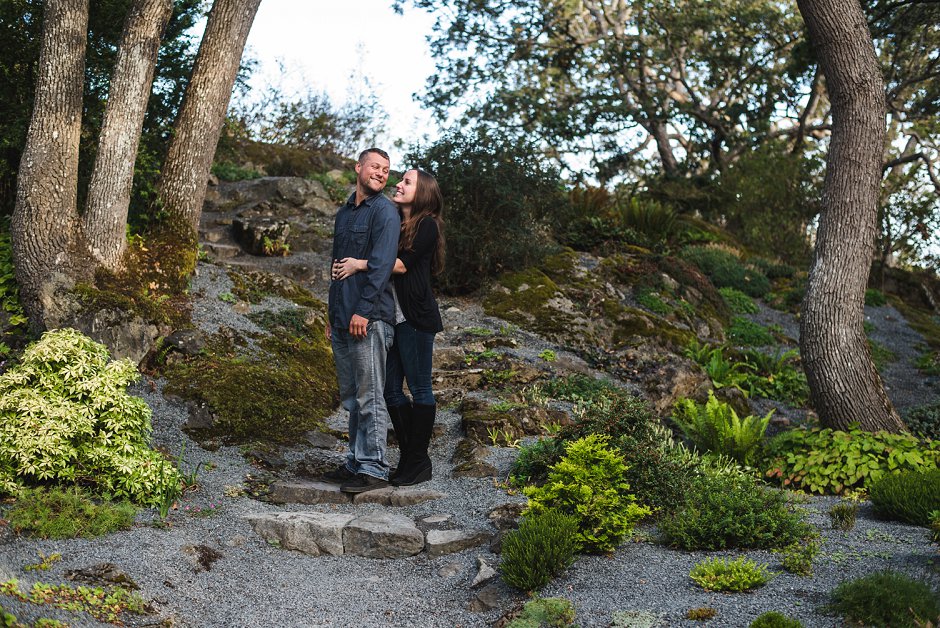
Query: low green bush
x=773, y=619
x=908, y=496
x=738, y=302
x=66, y=417
x=715, y=427
x=722, y=574
x=9, y=289
x=843, y=515
x=726, y=270
x=544, y=546
x=227, y=171
x=935, y=526
x=532, y=464
x=773, y=270
x=875, y=297
x=772, y=376
x=928, y=363
x=833, y=461
x=887, y=599
x=746, y=333
x=588, y=483
x=549, y=612
x=52, y=513
x=924, y=421
x=728, y=511
x=797, y=558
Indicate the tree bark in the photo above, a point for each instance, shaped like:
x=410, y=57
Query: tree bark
x=44, y=228
x=196, y=132
x=845, y=387
x=109, y=191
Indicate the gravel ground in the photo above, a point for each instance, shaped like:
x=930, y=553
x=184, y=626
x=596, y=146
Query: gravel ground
x=253, y=583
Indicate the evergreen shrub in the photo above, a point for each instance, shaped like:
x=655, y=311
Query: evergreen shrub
x=746, y=333
x=875, y=297
x=588, y=483
x=722, y=574
x=843, y=515
x=53, y=513
x=924, y=421
x=715, y=427
x=908, y=496
x=797, y=558
x=541, y=548
x=738, y=302
x=66, y=417
x=726, y=270
x=774, y=619
x=549, y=612
x=886, y=599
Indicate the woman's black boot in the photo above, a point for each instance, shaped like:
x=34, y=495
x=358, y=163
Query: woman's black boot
x=418, y=468
x=401, y=418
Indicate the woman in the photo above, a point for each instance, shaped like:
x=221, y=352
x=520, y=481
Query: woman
x=418, y=319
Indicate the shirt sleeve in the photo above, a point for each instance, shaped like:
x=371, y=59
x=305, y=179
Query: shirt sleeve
x=424, y=243
x=385, y=228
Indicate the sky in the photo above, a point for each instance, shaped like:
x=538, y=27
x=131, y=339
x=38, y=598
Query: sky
x=324, y=44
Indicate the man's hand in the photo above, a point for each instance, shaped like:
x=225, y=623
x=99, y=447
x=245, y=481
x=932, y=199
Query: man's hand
x=358, y=326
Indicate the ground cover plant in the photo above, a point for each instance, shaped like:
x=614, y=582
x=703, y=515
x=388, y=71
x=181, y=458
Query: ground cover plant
x=726, y=270
x=843, y=515
x=106, y=604
x=544, y=545
x=909, y=496
x=833, y=461
x=723, y=574
x=554, y=612
x=757, y=374
x=715, y=427
x=66, y=417
x=797, y=558
x=738, y=302
x=888, y=599
x=924, y=421
x=774, y=619
x=588, y=483
x=53, y=513
x=747, y=333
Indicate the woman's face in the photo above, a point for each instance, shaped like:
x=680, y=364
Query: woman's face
x=406, y=188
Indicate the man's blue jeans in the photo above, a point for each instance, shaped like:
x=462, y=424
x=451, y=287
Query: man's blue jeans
x=410, y=359
x=360, y=370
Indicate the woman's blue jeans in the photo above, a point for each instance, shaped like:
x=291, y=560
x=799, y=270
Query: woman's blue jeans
x=409, y=359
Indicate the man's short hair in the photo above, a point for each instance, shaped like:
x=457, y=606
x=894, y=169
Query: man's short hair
x=377, y=151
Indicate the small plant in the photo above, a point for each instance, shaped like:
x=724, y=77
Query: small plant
x=548, y=355
x=109, y=604
x=886, y=598
x=227, y=171
x=909, y=496
x=924, y=421
x=701, y=614
x=875, y=297
x=798, y=557
x=45, y=562
x=493, y=433
x=481, y=332
x=53, y=513
x=738, y=302
x=202, y=512
x=544, y=546
x=648, y=298
x=553, y=612
x=497, y=377
x=745, y=332
x=843, y=515
x=716, y=427
x=588, y=483
x=722, y=574
x=227, y=297
x=274, y=247
x=928, y=363
x=773, y=619
x=532, y=464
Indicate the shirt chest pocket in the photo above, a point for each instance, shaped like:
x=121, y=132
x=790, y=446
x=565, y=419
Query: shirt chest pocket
x=360, y=238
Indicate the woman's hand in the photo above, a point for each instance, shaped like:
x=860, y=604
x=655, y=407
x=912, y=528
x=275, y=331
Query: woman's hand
x=347, y=267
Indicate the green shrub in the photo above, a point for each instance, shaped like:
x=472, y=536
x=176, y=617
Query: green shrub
x=227, y=171
x=722, y=574
x=589, y=483
x=935, y=526
x=887, y=599
x=833, y=461
x=756, y=374
x=798, y=557
x=532, y=464
x=703, y=613
x=875, y=297
x=773, y=270
x=9, y=289
x=549, y=612
x=729, y=510
x=928, y=363
x=580, y=389
x=66, y=416
x=908, y=496
x=726, y=270
x=843, y=515
x=745, y=332
x=738, y=302
x=53, y=513
x=924, y=421
x=773, y=619
x=544, y=546
x=716, y=427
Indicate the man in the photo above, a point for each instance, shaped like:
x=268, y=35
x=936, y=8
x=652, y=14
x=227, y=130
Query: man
x=361, y=321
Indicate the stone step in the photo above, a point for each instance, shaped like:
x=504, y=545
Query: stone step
x=221, y=251
x=215, y=235
x=374, y=535
x=312, y=492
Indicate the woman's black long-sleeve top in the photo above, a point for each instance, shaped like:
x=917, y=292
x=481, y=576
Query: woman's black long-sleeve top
x=414, y=286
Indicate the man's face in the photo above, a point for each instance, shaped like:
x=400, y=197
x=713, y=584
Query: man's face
x=372, y=173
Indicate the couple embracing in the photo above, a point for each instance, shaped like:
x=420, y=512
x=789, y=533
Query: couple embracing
x=382, y=321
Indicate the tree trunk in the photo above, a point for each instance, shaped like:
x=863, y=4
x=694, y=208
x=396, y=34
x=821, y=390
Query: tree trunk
x=109, y=191
x=844, y=384
x=196, y=132
x=45, y=218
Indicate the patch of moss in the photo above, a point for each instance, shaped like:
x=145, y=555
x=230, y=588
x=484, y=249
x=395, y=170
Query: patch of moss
x=276, y=391
x=523, y=298
x=254, y=286
x=634, y=322
x=560, y=266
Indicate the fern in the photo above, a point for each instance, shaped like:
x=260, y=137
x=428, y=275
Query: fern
x=717, y=428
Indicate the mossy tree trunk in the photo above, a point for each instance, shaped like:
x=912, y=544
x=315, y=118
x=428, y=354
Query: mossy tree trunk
x=109, y=191
x=196, y=132
x=845, y=385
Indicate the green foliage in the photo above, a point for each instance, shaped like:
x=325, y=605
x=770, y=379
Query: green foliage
x=716, y=427
x=580, y=389
x=548, y=355
x=843, y=515
x=798, y=557
x=887, y=599
x=9, y=289
x=655, y=222
x=53, y=513
x=756, y=374
x=722, y=574
x=550, y=612
x=729, y=510
x=532, y=464
x=703, y=613
x=65, y=416
x=227, y=171
x=500, y=199
x=773, y=270
x=774, y=619
x=924, y=421
x=110, y=604
x=648, y=298
x=544, y=546
x=588, y=482
x=881, y=355
x=833, y=461
x=745, y=332
x=875, y=297
x=726, y=270
x=909, y=496
x=928, y=363
x=935, y=526
x=738, y=302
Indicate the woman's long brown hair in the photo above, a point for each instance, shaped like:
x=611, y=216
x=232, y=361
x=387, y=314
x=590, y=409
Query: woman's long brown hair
x=428, y=203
